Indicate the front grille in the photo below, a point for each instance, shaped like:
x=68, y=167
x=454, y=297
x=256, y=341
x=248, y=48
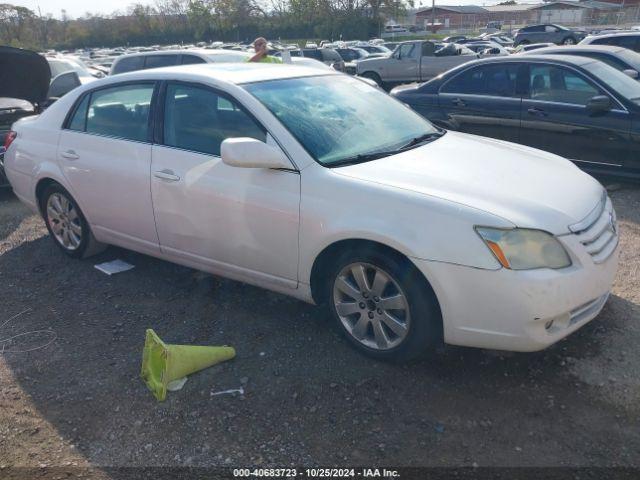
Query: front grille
x=598, y=232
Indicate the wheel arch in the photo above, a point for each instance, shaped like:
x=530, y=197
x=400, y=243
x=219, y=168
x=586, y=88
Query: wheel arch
x=322, y=264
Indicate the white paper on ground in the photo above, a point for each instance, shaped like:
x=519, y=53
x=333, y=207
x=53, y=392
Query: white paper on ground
x=176, y=384
x=115, y=266
x=232, y=390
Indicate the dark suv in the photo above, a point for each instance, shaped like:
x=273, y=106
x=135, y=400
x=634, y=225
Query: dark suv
x=548, y=33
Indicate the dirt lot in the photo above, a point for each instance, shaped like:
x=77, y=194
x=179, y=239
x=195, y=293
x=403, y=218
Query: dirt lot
x=309, y=398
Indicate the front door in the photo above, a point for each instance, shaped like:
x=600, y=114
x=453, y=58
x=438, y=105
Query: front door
x=240, y=222
x=483, y=100
x=555, y=118
x=105, y=154
x=403, y=64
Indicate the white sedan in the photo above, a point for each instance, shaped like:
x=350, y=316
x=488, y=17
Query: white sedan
x=317, y=185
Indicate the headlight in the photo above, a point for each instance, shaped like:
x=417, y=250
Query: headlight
x=524, y=249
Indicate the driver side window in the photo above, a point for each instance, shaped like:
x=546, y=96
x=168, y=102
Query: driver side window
x=407, y=50
x=199, y=119
x=552, y=83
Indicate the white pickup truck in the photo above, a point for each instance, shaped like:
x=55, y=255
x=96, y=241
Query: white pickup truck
x=414, y=61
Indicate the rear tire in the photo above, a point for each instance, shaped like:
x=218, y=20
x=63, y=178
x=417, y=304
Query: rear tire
x=383, y=306
x=66, y=223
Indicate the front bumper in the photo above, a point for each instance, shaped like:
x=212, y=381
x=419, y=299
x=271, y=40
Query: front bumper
x=528, y=310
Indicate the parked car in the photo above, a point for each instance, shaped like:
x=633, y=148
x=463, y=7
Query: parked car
x=373, y=49
x=326, y=55
x=630, y=40
x=258, y=173
x=351, y=56
x=576, y=107
x=532, y=46
x=484, y=49
x=500, y=38
x=63, y=63
x=548, y=33
x=395, y=29
x=455, y=39
x=167, y=58
x=24, y=83
x=414, y=61
x=620, y=58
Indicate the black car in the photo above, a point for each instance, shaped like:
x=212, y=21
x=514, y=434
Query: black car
x=24, y=84
x=579, y=108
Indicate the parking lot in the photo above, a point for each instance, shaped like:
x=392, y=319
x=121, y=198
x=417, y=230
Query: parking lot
x=309, y=398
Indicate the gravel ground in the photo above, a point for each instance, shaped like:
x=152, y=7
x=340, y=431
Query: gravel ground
x=309, y=398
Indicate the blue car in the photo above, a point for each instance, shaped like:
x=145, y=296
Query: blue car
x=576, y=107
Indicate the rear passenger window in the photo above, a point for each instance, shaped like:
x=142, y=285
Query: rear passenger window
x=191, y=60
x=490, y=80
x=78, y=122
x=198, y=119
x=157, y=61
x=121, y=112
x=130, y=64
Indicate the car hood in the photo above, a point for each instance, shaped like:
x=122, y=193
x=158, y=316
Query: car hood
x=24, y=74
x=528, y=187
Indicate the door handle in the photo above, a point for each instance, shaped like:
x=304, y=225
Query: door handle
x=537, y=111
x=459, y=102
x=70, y=155
x=167, y=175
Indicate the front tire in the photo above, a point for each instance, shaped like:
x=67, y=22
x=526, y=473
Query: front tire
x=383, y=306
x=569, y=41
x=66, y=223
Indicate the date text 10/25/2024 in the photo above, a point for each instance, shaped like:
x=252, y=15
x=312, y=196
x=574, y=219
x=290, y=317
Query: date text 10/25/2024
x=316, y=472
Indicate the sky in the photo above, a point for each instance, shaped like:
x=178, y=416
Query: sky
x=76, y=8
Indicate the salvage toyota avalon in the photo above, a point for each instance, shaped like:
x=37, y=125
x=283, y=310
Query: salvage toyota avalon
x=322, y=187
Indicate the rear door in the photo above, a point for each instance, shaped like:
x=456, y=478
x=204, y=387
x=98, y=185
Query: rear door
x=555, y=118
x=484, y=100
x=105, y=154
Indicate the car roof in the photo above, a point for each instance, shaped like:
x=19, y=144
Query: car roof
x=580, y=48
x=532, y=57
x=615, y=34
x=234, y=73
x=188, y=51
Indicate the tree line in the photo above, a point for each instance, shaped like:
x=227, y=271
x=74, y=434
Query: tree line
x=186, y=21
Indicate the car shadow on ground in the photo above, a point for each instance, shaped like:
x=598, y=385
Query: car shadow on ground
x=309, y=397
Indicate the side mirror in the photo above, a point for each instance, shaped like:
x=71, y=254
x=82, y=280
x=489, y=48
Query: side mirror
x=63, y=83
x=631, y=72
x=598, y=104
x=247, y=152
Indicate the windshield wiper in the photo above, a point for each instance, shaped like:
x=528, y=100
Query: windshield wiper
x=365, y=157
x=361, y=158
x=421, y=139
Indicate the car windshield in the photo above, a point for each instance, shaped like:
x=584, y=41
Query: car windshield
x=621, y=83
x=338, y=118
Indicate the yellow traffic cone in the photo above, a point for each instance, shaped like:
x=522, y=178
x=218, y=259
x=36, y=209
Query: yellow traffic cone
x=162, y=363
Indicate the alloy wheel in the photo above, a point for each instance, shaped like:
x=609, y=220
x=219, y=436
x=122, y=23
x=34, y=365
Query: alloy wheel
x=64, y=221
x=371, y=305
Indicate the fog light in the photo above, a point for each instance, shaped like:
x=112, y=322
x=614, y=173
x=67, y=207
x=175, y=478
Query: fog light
x=548, y=325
